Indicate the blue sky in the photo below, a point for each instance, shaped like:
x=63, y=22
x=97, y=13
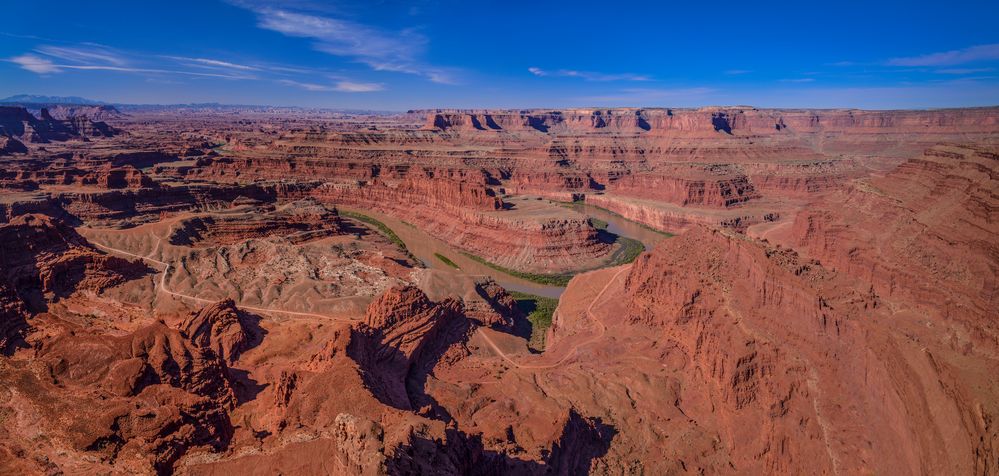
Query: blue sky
x=394, y=55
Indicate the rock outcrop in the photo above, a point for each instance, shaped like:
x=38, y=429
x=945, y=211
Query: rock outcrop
x=10, y=146
x=497, y=309
x=101, y=112
x=360, y=446
x=143, y=400
x=220, y=327
x=403, y=337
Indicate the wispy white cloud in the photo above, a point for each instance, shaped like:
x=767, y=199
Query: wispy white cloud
x=341, y=37
x=124, y=69
x=971, y=54
x=964, y=70
x=339, y=86
x=43, y=60
x=306, y=86
x=35, y=64
x=589, y=75
x=213, y=63
x=166, y=68
x=797, y=80
x=86, y=53
x=436, y=75
x=736, y=72
x=44, y=65
x=256, y=69
x=291, y=69
x=378, y=49
x=353, y=87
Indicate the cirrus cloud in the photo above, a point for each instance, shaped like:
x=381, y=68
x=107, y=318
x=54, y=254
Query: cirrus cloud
x=48, y=59
x=213, y=63
x=971, y=54
x=588, y=75
x=338, y=86
x=86, y=53
x=35, y=64
x=380, y=50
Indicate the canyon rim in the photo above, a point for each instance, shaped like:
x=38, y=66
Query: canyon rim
x=398, y=268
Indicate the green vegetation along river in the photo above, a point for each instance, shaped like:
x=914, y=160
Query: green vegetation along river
x=428, y=249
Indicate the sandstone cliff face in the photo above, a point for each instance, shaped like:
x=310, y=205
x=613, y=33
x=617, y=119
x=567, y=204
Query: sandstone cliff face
x=718, y=192
x=499, y=310
x=299, y=222
x=17, y=122
x=105, y=177
x=924, y=234
x=441, y=193
x=774, y=341
x=657, y=218
x=230, y=169
x=709, y=120
x=14, y=121
x=714, y=186
x=41, y=255
x=457, y=214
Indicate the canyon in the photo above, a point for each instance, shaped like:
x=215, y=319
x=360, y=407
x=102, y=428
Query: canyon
x=730, y=290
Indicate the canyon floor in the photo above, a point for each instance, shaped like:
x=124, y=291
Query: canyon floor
x=219, y=290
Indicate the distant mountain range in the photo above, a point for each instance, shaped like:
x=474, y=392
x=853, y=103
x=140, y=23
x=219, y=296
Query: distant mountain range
x=36, y=99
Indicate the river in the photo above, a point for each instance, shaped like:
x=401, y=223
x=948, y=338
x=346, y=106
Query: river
x=424, y=247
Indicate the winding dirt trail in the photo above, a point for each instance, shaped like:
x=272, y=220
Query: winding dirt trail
x=163, y=285
x=572, y=350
